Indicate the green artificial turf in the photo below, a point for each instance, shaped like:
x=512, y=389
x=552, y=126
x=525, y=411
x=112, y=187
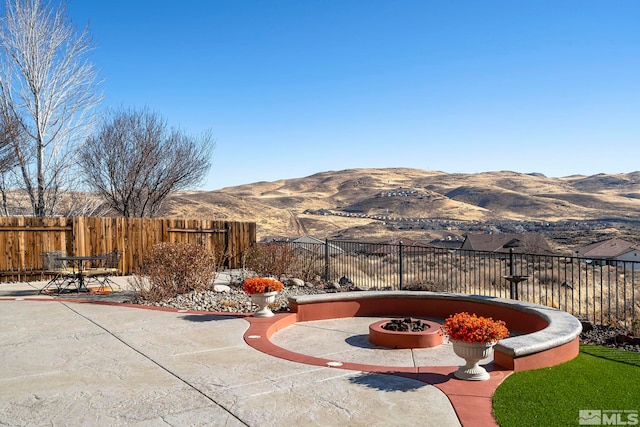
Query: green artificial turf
x=600, y=378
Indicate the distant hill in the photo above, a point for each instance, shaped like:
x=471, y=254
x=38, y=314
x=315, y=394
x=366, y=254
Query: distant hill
x=377, y=204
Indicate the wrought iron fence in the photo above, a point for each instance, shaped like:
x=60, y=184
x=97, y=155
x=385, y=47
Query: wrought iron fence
x=600, y=290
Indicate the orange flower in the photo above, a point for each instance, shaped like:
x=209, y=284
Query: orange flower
x=259, y=285
x=474, y=329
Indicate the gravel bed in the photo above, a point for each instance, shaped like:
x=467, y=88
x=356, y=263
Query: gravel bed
x=608, y=337
x=235, y=300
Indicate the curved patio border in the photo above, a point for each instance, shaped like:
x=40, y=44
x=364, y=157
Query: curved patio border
x=547, y=336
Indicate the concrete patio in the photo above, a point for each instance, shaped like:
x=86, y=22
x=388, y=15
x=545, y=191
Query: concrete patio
x=70, y=361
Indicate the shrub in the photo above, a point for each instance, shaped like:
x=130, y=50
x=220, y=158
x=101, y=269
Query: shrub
x=173, y=269
x=269, y=259
x=307, y=267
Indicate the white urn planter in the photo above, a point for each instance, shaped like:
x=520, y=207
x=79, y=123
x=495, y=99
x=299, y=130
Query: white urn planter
x=262, y=300
x=472, y=353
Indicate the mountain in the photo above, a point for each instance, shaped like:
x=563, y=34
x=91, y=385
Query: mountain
x=380, y=204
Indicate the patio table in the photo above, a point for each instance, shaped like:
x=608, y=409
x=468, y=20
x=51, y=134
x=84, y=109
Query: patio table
x=80, y=266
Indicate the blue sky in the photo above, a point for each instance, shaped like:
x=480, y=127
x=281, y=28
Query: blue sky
x=292, y=88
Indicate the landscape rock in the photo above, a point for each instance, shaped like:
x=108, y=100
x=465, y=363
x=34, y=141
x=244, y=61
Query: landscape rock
x=627, y=339
x=586, y=326
x=345, y=281
x=333, y=286
x=221, y=288
x=294, y=282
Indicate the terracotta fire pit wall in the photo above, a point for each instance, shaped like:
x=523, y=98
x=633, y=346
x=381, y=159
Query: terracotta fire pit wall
x=430, y=337
x=520, y=321
x=546, y=336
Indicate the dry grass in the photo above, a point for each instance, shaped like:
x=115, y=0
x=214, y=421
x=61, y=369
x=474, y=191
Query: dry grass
x=605, y=294
x=271, y=204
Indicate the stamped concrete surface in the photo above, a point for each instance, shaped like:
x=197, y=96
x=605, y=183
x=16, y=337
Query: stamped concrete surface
x=72, y=363
x=347, y=340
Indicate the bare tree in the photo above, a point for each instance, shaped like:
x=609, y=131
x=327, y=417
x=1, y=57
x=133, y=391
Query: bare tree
x=135, y=161
x=10, y=135
x=49, y=86
x=81, y=203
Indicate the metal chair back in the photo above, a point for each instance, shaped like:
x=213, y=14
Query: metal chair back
x=112, y=259
x=51, y=263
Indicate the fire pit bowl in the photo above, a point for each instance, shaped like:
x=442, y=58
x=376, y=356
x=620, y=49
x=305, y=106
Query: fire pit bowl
x=429, y=337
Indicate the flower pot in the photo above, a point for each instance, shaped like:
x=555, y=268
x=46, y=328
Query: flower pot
x=472, y=353
x=262, y=300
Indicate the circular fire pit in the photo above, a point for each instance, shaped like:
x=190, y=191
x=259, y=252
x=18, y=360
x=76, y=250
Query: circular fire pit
x=429, y=337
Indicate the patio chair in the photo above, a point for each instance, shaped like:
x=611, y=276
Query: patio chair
x=103, y=273
x=63, y=276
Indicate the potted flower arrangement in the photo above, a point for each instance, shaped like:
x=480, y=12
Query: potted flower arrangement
x=473, y=338
x=262, y=291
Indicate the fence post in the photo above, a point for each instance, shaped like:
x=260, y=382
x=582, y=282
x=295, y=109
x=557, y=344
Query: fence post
x=513, y=284
x=401, y=269
x=326, y=260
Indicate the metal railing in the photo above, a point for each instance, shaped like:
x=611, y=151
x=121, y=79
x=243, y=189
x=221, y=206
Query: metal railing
x=599, y=290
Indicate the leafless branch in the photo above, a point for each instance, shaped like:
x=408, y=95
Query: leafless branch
x=135, y=161
x=49, y=85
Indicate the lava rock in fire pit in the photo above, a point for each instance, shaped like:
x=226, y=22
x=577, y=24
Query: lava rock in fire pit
x=405, y=325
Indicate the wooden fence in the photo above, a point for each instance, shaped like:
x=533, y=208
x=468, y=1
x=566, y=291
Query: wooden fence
x=23, y=239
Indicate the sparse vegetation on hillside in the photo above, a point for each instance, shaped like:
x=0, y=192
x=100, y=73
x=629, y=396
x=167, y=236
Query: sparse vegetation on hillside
x=349, y=204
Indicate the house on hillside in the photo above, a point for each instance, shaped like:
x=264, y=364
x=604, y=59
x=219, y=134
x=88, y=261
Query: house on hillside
x=610, y=252
x=409, y=247
x=525, y=243
x=356, y=248
x=451, y=242
x=316, y=246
